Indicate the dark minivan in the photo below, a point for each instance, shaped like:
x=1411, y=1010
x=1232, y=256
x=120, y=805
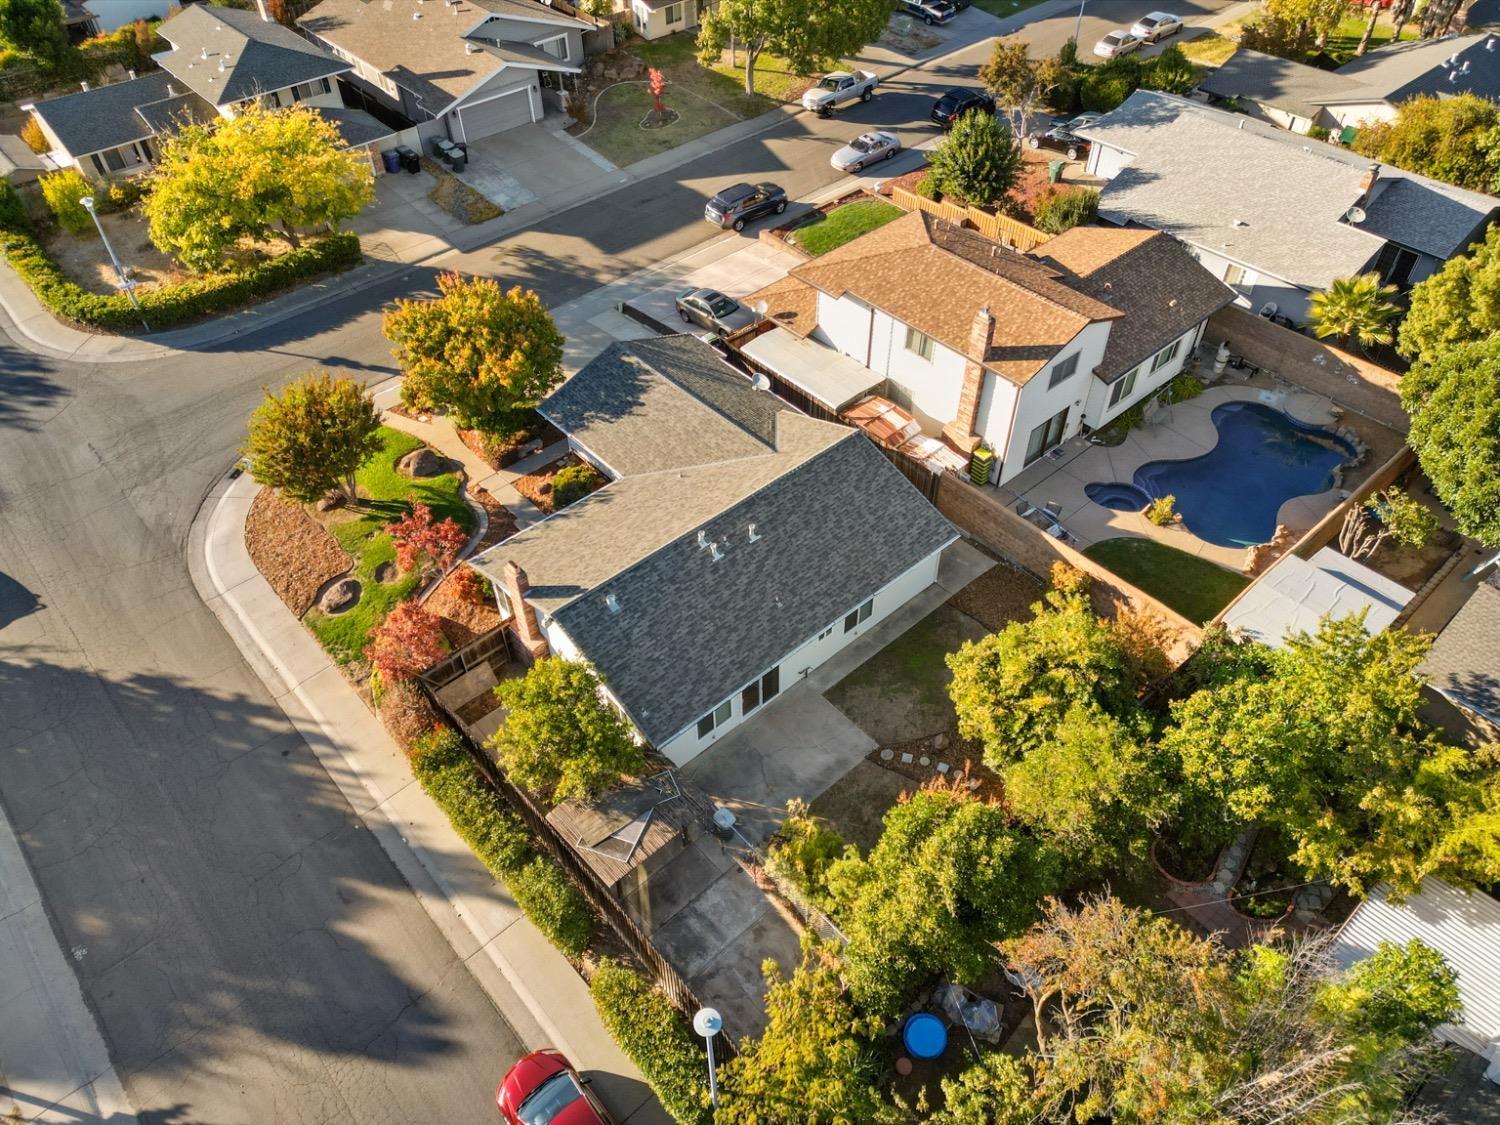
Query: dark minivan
x=739, y=204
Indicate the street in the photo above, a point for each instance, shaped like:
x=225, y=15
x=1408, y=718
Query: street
x=249, y=952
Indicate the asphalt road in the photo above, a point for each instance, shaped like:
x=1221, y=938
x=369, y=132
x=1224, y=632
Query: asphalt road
x=249, y=951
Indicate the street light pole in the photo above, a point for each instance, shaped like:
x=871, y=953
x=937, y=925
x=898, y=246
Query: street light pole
x=707, y=1024
x=1078, y=24
x=126, y=284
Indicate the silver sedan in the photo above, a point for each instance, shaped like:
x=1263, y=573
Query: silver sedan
x=865, y=150
x=713, y=310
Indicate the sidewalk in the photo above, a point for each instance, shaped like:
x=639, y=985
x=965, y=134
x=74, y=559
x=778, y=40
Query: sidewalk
x=528, y=980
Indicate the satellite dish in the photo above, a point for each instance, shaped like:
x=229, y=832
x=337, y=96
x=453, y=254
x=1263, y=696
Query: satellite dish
x=761, y=307
x=1355, y=215
x=761, y=383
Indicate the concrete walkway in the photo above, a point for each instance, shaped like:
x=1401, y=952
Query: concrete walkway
x=536, y=988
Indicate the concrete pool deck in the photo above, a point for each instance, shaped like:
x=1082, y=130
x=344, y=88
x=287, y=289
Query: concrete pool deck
x=1186, y=430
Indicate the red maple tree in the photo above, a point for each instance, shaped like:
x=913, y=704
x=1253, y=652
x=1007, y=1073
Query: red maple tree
x=658, y=88
x=408, y=641
x=422, y=543
x=465, y=586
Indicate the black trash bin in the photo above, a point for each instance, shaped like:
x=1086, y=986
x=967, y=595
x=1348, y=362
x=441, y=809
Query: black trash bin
x=437, y=144
x=410, y=160
x=458, y=160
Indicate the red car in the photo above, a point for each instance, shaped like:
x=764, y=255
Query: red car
x=544, y=1089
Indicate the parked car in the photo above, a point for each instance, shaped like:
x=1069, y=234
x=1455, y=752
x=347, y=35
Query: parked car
x=1156, y=26
x=865, y=150
x=957, y=102
x=929, y=11
x=708, y=308
x=739, y=204
x=1063, y=136
x=1118, y=42
x=544, y=1089
x=833, y=90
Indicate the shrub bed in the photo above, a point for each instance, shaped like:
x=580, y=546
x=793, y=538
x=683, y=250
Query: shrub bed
x=169, y=305
x=656, y=1037
x=501, y=840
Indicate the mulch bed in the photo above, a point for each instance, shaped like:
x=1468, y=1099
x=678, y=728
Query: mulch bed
x=462, y=621
x=537, y=486
x=999, y=596
x=291, y=550
x=502, y=523
x=499, y=453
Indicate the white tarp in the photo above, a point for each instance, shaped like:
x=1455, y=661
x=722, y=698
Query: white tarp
x=829, y=376
x=1296, y=593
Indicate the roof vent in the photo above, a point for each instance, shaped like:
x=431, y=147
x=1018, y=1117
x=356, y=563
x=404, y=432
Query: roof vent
x=130, y=74
x=84, y=86
x=203, y=54
x=1355, y=215
x=702, y=539
x=714, y=552
x=1465, y=68
x=612, y=603
x=171, y=90
x=755, y=536
x=1489, y=42
x=416, y=15
x=471, y=48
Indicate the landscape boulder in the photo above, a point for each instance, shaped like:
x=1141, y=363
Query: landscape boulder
x=421, y=463
x=340, y=596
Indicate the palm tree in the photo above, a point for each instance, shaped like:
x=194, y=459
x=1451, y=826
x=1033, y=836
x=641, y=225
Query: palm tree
x=1356, y=310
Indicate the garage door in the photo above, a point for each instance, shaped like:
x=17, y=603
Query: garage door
x=506, y=111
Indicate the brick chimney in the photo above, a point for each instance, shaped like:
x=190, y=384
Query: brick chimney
x=960, y=432
x=523, y=617
x=1372, y=173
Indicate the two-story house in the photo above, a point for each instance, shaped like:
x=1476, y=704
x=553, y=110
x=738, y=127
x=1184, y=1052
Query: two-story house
x=738, y=545
x=982, y=344
x=221, y=60
x=1276, y=216
x=477, y=67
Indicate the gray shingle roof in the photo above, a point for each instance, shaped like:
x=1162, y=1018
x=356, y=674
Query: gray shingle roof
x=1464, y=663
x=1408, y=69
x=257, y=56
x=104, y=117
x=1264, y=197
x=169, y=113
x=1281, y=83
x=355, y=126
x=835, y=522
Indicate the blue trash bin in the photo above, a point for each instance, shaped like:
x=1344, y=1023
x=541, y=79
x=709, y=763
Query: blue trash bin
x=392, y=160
x=925, y=1036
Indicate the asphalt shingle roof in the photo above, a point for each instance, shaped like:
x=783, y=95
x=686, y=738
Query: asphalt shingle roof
x=105, y=117
x=256, y=56
x=834, y=522
x=355, y=126
x=1411, y=68
x=1464, y=662
x=1264, y=197
x=1286, y=85
x=1148, y=276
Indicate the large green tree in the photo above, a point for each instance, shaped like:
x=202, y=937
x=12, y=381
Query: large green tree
x=1453, y=139
x=1329, y=749
x=1356, y=310
x=806, y=33
x=262, y=173
x=484, y=354
x=313, y=437
x=978, y=162
x=949, y=875
x=1454, y=403
x=1019, y=82
x=1457, y=305
x=561, y=737
x=35, y=28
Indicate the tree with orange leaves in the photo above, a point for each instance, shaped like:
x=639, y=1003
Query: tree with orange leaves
x=408, y=641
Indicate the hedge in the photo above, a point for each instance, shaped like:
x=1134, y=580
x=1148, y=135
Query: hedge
x=656, y=1037
x=172, y=304
x=501, y=840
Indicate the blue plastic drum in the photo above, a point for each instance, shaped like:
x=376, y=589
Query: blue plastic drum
x=925, y=1036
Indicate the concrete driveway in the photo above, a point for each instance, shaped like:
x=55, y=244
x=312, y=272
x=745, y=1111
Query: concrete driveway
x=522, y=165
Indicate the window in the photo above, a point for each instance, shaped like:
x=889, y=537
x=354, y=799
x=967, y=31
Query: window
x=715, y=718
x=1062, y=369
x=557, y=48
x=1234, y=276
x=114, y=159
x=1166, y=355
x=919, y=342
x=1048, y=434
x=859, y=616
x=674, y=13
x=826, y=633
x=1123, y=388
x=760, y=691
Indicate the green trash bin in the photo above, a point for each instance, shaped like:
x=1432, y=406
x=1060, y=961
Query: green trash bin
x=1055, y=170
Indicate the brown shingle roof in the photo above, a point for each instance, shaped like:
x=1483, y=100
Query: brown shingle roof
x=791, y=303
x=1147, y=275
x=935, y=276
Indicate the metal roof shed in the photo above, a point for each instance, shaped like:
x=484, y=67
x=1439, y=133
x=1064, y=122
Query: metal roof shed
x=828, y=376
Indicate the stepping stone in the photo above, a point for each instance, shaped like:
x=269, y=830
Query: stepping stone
x=924, y=760
x=944, y=767
x=887, y=754
x=973, y=783
x=906, y=759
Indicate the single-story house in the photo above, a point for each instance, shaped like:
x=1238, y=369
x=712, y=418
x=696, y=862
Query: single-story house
x=654, y=19
x=1282, y=91
x=221, y=60
x=1398, y=72
x=478, y=67
x=1465, y=929
x=985, y=345
x=1463, y=665
x=1275, y=216
x=737, y=545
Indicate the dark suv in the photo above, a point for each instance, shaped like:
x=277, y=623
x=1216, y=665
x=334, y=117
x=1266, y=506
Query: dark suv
x=739, y=204
x=957, y=102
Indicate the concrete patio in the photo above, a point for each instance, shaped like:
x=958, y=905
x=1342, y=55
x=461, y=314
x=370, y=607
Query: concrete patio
x=1185, y=430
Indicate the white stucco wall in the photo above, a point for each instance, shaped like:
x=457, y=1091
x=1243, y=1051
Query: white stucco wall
x=1106, y=162
x=1038, y=402
x=1098, y=412
x=1362, y=114
x=795, y=665
x=654, y=25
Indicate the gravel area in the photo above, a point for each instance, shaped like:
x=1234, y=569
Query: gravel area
x=291, y=550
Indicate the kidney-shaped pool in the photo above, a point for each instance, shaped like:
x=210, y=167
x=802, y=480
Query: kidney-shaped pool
x=1230, y=496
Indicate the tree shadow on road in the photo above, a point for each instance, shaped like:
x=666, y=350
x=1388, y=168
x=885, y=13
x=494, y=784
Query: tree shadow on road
x=25, y=388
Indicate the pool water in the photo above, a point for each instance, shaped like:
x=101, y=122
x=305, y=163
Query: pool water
x=1117, y=496
x=1231, y=494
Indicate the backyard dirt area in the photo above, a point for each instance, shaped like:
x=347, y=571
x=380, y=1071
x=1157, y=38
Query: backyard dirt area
x=854, y=804
x=84, y=258
x=295, y=554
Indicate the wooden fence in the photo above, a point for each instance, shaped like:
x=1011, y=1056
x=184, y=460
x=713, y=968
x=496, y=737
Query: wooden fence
x=1002, y=228
x=476, y=652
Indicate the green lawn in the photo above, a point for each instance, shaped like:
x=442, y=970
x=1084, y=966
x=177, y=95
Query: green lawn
x=617, y=134
x=676, y=56
x=364, y=537
x=1343, y=42
x=1194, y=587
x=843, y=224
x=1004, y=7
x=1209, y=49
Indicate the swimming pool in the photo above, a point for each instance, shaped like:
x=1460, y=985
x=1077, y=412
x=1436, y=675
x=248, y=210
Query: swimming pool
x=1231, y=494
x=1117, y=495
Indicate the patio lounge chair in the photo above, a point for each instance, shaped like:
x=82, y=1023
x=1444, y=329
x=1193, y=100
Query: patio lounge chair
x=1024, y=508
x=1053, y=510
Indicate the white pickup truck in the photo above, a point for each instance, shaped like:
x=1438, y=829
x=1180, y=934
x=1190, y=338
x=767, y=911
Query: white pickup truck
x=833, y=90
